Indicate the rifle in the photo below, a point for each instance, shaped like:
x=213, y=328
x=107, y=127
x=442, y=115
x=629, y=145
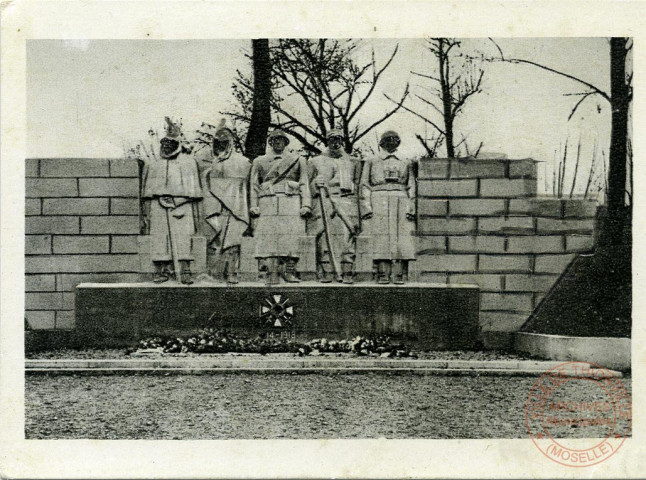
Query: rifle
x=328, y=238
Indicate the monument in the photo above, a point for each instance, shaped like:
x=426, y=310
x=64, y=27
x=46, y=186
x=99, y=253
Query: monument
x=282, y=211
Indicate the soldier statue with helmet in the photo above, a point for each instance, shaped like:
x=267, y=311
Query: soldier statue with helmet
x=390, y=178
x=225, y=206
x=335, y=216
x=170, y=181
x=279, y=202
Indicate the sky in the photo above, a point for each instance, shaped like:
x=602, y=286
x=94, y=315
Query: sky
x=90, y=98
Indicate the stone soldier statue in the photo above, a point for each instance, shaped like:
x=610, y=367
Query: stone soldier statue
x=335, y=175
x=392, y=208
x=171, y=181
x=280, y=200
x=225, y=206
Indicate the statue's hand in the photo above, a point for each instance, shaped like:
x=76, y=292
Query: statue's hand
x=320, y=182
x=410, y=217
x=254, y=212
x=305, y=212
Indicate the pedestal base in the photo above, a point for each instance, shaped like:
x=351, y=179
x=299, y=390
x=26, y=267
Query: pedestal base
x=425, y=316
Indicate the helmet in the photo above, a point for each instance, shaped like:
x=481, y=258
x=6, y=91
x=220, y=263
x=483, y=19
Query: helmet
x=278, y=133
x=388, y=134
x=335, y=132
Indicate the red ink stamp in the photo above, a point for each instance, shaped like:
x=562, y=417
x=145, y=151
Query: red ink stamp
x=578, y=414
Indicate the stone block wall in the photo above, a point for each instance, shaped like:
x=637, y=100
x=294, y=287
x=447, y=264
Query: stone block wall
x=479, y=222
x=81, y=225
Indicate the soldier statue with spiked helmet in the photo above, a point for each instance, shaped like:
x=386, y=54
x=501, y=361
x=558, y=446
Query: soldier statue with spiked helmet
x=170, y=180
x=335, y=216
x=225, y=206
x=390, y=178
x=280, y=202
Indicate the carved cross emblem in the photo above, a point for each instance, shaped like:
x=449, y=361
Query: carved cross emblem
x=276, y=312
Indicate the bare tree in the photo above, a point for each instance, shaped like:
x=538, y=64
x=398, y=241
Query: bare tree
x=318, y=85
x=456, y=79
x=619, y=98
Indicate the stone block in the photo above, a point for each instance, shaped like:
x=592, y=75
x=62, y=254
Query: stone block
x=82, y=263
x=535, y=207
x=446, y=263
x=446, y=225
x=75, y=206
x=65, y=320
x=536, y=244
x=50, y=187
x=529, y=283
x=431, y=244
x=124, y=244
x=124, y=206
x=32, y=206
x=579, y=243
x=268, y=205
x=57, y=224
x=507, y=188
x=486, y=282
x=476, y=207
x=40, y=283
x=426, y=317
x=475, y=168
x=41, y=320
x=476, y=244
x=116, y=224
x=580, y=208
x=65, y=244
x=31, y=167
x=502, y=321
x=123, y=167
x=435, y=208
x=513, y=302
x=108, y=187
x=553, y=263
x=505, y=263
x=364, y=243
x=447, y=188
x=550, y=225
x=511, y=225
x=38, y=244
x=538, y=298
x=522, y=168
x=73, y=167
x=433, y=168
x=429, y=277
x=67, y=302
x=43, y=300
x=67, y=282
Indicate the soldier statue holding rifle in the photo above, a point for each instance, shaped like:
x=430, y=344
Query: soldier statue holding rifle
x=280, y=202
x=392, y=209
x=335, y=217
x=170, y=180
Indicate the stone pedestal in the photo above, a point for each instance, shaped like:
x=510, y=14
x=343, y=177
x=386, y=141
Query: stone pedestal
x=425, y=316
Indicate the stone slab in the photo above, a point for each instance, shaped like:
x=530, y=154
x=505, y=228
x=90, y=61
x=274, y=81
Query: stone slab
x=612, y=353
x=425, y=316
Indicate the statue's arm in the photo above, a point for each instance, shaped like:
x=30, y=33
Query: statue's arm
x=365, y=191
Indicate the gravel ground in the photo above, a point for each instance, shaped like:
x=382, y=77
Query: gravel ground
x=244, y=406
x=114, y=353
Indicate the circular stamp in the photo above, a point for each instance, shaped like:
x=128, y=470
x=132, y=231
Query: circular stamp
x=578, y=414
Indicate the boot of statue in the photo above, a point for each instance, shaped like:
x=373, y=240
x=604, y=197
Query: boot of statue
x=398, y=272
x=272, y=274
x=383, y=272
x=325, y=272
x=289, y=271
x=162, y=273
x=347, y=271
x=186, y=276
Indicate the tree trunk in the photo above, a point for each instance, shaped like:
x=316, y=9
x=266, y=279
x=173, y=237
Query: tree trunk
x=260, y=113
x=619, y=94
